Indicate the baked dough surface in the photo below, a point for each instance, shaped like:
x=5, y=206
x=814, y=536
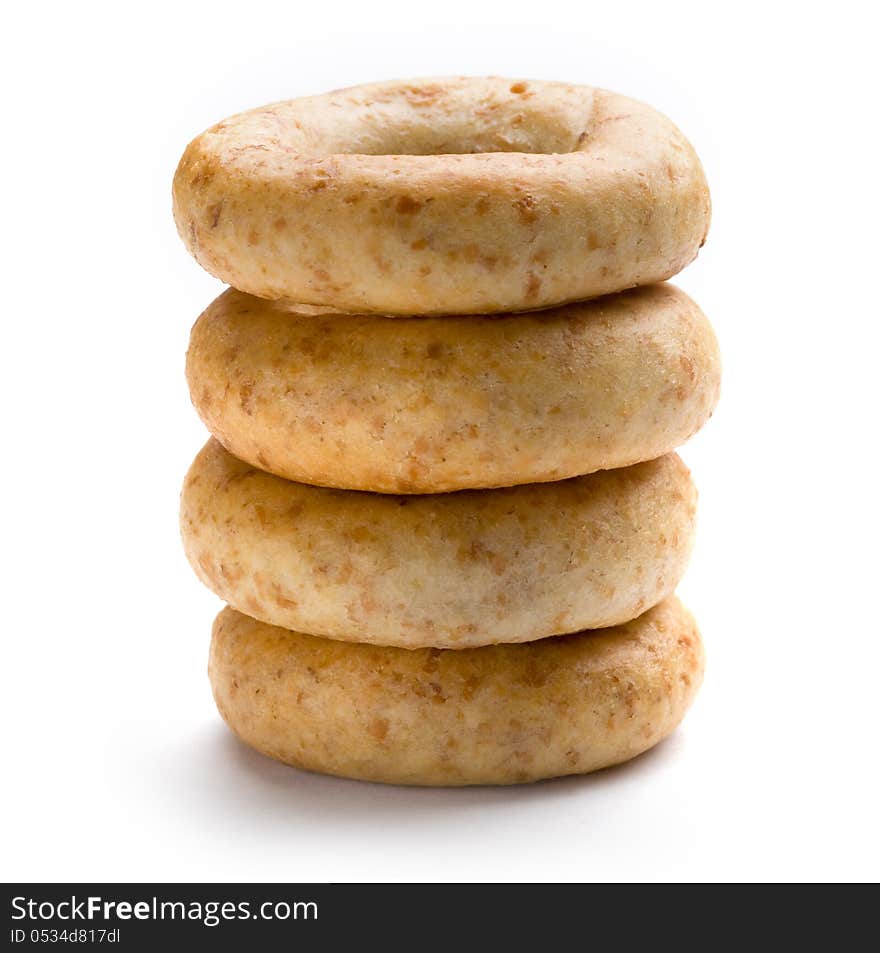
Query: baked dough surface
x=453, y=195
x=426, y=405
x=450, y=570
x=495, y=715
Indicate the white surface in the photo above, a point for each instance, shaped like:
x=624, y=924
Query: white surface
x=116, y=764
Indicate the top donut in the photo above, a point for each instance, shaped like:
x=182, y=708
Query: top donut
x=443, y=196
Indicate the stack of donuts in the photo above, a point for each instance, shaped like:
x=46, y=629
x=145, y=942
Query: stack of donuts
x=445, y=387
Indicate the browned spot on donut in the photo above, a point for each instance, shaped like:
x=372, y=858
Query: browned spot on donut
x=260, y=512
x=279, y=224
x=533, y=286
x=432, y=660
x=519, y=88
x=419, y=244
x=592, y=241
x=687, y=365
x=423, y=95
x=527, y=208
x=360, y=534
x=435, y=350
x=261, y=459
x=281, y=600
x=407, y=205
x=377, y=424
x=471, y=684
x=320, y=274
x=230, y=574
x=379, y=728
x=418, y=690
x=214, y=214
x=482, y=206
x=533, y=676
x=201, y=179
x=421, y=446
x=477, y=552
x=312, y=424
x=245, y=395
x=353, y=199
x=425, y=270
x=470, y=253
x=253, y=237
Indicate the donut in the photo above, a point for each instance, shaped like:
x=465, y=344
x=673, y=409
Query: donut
x=501, y=714
x=425, y=405
x=454, y=195
x=450, y=570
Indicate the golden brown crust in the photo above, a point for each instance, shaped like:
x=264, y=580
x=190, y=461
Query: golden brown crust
x=449, y=570
x=428, y=405
x=391, y=198
x=500, y=714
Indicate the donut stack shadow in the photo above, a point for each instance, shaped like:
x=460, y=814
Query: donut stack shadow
x=448, y=529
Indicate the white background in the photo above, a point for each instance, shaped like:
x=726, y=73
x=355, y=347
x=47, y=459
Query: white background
x=117, y=766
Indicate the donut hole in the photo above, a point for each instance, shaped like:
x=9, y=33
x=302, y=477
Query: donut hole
x=458, y=118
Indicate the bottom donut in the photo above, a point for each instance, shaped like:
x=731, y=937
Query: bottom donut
x=500, y=714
